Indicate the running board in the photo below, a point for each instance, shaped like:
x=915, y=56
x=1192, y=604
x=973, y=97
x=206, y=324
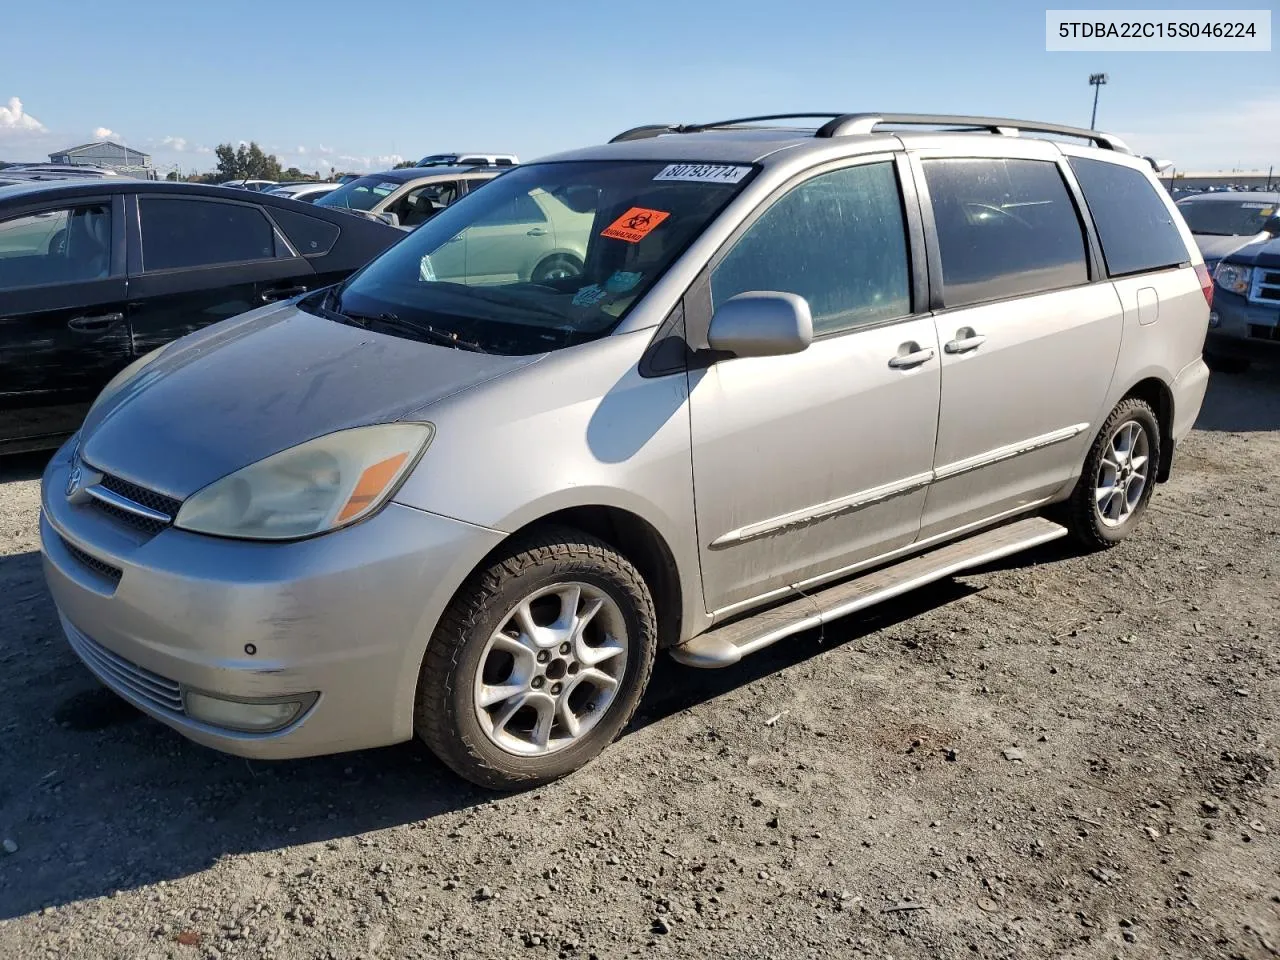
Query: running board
x=726, y=645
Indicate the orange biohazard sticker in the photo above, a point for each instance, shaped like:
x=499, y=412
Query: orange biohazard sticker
x=634, y=225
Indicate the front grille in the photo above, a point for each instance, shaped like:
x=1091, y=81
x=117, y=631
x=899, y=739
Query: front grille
x=126, y=677
x=1266, y=287
x=100, y=567
x=144, y=524
x=148, y=498
x=1259, y=332
x=141, y=496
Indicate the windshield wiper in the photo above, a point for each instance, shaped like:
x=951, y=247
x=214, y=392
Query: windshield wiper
x=423, y=331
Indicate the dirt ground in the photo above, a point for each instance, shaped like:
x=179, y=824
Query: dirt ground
x=1063, y=756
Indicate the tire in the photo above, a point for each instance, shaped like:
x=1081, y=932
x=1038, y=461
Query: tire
x=479, y=647
x=558, y=266
x=1224, y=364
x=1099, y=523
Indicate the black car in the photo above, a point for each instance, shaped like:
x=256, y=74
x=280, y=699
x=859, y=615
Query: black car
x=94, y=273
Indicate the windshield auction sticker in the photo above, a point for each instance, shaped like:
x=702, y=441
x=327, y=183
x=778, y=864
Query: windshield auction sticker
x=703, y=172
x=634, y=225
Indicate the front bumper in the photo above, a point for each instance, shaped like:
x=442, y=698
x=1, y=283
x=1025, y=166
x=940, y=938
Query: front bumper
x=1249, y=331
x=347, y=614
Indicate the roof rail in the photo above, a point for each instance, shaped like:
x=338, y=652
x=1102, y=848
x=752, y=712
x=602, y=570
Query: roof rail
x=851, y=124
x=862, y=123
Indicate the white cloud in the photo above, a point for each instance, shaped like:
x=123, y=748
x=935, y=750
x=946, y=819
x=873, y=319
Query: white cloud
x=1240, y=132
x=382, y=162
x=177, y=144
x=325, y=150
x=300, y=151
x=13, y=117
x=106, y=133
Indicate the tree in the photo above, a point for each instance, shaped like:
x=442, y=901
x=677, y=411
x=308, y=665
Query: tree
x=172, y=175
x=293, y=173
x=247, y=162
x=403, y=164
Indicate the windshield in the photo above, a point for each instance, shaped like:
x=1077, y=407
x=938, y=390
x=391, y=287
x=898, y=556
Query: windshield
x=1225, y=218
x=438, y=159
x=545, y=256
x=363, y=193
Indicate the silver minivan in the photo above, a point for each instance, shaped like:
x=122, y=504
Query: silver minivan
x=798, y=371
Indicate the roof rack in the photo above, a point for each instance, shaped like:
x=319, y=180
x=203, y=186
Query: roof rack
x=851, y=124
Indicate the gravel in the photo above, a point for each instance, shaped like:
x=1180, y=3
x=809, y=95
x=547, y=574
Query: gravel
x=1049, y=757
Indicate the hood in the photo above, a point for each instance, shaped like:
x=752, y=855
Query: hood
x=1261, y=251
x=254, y=385
x=1215, y=248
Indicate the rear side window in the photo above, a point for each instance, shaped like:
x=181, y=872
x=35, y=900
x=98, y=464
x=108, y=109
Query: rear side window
x=1006, y=228
x=837, y=240
x=1134, y=225
x=310, y=236
x=197, y=233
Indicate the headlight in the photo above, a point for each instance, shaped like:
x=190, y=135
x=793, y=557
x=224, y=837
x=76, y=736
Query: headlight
x=320, y=485
x=115, y=384
x=1233, y=277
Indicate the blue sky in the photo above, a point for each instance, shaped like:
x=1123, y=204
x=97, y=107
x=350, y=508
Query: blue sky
x=327, y=83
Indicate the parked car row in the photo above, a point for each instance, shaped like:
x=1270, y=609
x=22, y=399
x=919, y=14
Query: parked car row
x=778, y=374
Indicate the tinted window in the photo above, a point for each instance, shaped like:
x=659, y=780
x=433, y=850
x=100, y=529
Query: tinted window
x=1005, y=228
x=837, y=240
x=310, y=236
x=192, y=233
x=56, y=246
x=1136, y=228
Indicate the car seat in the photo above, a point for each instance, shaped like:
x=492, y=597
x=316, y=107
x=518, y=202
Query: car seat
x=89, y=244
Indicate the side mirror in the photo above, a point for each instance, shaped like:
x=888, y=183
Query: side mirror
x=1272, y=226
x=389, y=218
x=761, y=324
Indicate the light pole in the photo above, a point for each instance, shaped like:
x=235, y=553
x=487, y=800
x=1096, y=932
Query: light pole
x=1096, y=80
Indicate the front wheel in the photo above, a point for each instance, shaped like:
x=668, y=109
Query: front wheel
x=539, y=662
x=1118, y=477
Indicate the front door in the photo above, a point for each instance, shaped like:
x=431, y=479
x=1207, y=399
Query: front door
x=63, y=326
x=808, y=463
x=1029, y=343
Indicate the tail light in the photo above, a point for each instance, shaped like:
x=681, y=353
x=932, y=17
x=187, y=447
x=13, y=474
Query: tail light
x=1206, y=283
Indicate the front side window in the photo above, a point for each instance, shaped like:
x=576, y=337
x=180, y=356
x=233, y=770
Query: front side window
x=1006, y=228
x=363, y=193
x=480, y=275
x=1226, y=218
x=422, y=203
x=180, y=233
x=56, y=246
x=1135, y=227
x=837, y=240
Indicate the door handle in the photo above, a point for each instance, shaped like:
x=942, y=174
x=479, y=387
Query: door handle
x=905, y=361
x=536, y=232
x=96, y=323
x=281, y=293
x=965, y=341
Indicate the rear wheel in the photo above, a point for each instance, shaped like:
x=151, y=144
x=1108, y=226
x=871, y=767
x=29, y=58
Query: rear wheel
x=560, y=266
x=1118, y=477
x=539, y=662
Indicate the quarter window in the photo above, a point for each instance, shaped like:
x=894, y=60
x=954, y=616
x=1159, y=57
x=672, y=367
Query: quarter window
x=180, y=233
x=521, y=208
x=1006, y=228
x=1134, y=225
x=56, y=246
x=838, y=240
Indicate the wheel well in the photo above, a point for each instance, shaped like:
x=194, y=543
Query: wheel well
x=637, y=540
x=1157, y=396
